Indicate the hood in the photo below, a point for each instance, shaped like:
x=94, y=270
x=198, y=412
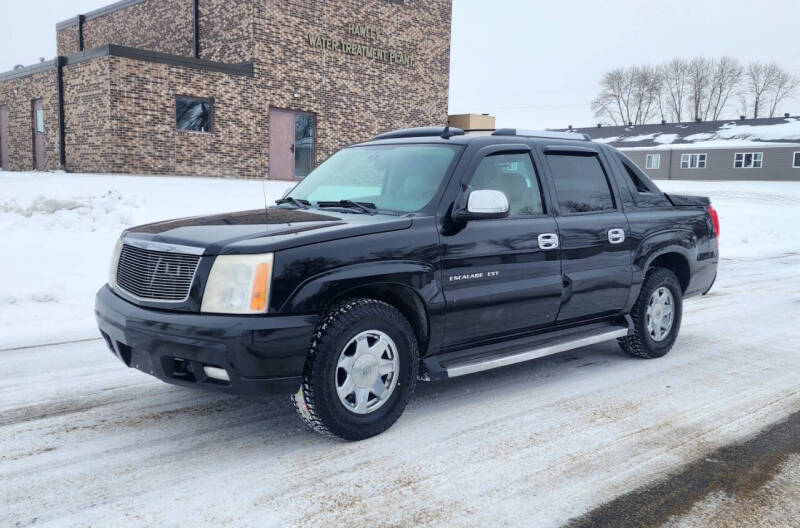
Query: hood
x=257, y=232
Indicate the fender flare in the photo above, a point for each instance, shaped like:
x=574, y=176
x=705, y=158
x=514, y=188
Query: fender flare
x=319, y=292
x=680, y=241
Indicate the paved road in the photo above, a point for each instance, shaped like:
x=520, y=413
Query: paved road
x=85, y=441
x=753, y=483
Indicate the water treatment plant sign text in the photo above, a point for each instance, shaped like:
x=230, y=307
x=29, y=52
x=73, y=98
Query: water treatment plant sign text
x=362, y=50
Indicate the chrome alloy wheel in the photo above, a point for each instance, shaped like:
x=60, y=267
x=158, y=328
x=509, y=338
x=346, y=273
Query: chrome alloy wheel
x=366, y=373
x=660, y=314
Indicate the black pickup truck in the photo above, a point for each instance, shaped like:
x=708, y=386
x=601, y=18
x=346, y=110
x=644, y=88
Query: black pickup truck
x=423, y=254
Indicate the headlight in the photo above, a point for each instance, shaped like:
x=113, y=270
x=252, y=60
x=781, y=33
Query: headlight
x=238, y=284
x=112, y=271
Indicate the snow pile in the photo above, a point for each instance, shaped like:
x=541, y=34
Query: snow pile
x=59, y=229
x=666, y=139
x=790, y=130
x=606, y=140
x=641, y=137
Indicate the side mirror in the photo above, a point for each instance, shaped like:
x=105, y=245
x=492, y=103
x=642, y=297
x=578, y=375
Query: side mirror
x=483, y=204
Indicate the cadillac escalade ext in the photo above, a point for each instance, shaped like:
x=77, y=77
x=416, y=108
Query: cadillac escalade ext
x=423, y=254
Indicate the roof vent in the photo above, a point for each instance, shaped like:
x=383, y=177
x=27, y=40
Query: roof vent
x=698, y=119
x=630, y=123
x=786, y=114
x=663, y=121
x=570, y=127
x=742, y=118
x=599, y=125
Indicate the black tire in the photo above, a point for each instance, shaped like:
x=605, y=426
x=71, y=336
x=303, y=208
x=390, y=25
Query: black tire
x=317, y=401
x=640, y=344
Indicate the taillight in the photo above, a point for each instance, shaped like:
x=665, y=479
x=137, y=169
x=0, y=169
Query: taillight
x=714, y=219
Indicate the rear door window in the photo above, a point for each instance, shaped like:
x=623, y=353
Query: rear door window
x=581, y=183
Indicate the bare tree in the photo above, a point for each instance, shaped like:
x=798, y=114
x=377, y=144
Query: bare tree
x=675, y=86
x=608, y=105
x=628, y=95
x=699, y=85
x=759, y=81
x=726, y=77
x=784, y=87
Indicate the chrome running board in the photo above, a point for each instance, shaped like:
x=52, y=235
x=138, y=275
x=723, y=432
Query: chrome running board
x=577, y=340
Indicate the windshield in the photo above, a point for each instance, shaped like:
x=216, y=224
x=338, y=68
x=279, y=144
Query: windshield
x=402, y=178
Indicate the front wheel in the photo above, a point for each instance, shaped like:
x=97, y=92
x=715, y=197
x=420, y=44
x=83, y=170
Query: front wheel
x=656, y=316
x=360, y=372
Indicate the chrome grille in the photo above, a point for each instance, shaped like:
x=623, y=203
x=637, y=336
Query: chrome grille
x=156, y=275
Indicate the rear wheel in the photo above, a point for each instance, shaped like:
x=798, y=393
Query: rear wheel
x=360, y=372
x=656, y=316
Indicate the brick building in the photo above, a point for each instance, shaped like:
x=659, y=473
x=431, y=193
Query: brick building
x=232, y=88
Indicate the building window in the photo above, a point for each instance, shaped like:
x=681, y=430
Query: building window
x=693, y=161
x=653, y=162
x=748, y=160
x=796, y=163
x=194, y=114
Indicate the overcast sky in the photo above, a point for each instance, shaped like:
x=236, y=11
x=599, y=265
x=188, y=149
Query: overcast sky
x=532, y=63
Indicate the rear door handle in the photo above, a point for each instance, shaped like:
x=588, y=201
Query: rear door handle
x=616, y=236
x=548, y=241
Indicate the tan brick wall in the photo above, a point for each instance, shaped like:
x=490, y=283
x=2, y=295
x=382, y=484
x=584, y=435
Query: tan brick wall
x=143, y=116
x=154, y=25
x=18, y=94
x=87, y=117
x=67, y=40
x=227, y=29
x=354, y=97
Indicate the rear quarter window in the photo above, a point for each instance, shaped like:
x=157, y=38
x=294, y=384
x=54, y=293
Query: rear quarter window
x=645, y=192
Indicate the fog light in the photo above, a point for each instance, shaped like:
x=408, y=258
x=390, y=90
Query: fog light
x=216, y=373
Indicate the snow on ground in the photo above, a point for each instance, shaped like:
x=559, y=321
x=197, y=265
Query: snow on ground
x=85, y=441
x=59, y=229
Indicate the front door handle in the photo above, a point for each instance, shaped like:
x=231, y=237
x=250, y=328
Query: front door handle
x=616, y=236
x=291, y=147
x=548, y=241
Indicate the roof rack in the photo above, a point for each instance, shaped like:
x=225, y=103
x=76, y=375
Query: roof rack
x=444, y=132
x=574, y=136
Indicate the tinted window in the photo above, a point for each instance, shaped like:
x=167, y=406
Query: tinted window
x=797, y=160
x=193, y=114
x=581, y=183
x=513, y=175
x=637, y=179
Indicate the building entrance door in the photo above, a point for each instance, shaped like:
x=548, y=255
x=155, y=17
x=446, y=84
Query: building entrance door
x=38, y=135
x=292, y=144
x=4, y=137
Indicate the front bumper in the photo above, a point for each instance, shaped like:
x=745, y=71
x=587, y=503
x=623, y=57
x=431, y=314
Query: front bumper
x=261, y=354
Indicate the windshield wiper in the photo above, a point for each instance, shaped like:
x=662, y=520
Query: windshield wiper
x=302, y=204
x=364, y=207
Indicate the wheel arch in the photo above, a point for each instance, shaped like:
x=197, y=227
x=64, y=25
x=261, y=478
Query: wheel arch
x=403, y=298
x=410, y=287
x=677, y=263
